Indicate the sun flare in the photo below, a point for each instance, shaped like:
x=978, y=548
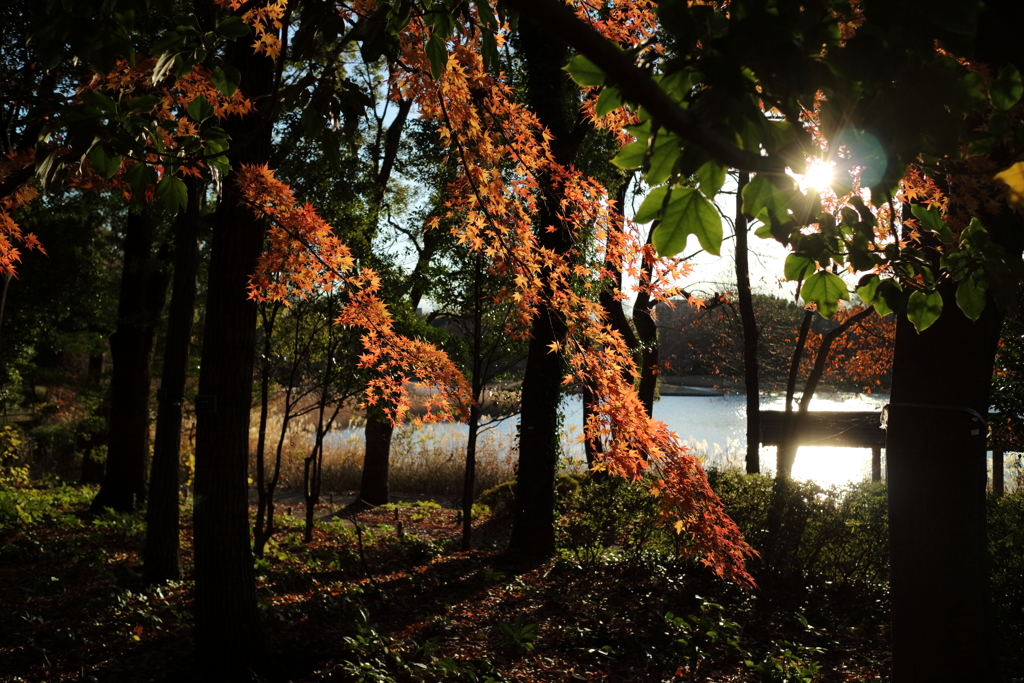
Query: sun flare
x=817, y=177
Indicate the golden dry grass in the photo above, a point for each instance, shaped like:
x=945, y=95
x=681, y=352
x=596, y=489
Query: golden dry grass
x=425, y=459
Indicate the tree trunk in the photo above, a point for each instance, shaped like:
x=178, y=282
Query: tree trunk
x=592, y=448
x=229, y=641
x=533, y=531
x=142, y=297
x=751, y=335
x=533, y=523
x=161, y=553
x=936, y=472
x=373, y=489
x=647, y=338
x=469, y=480
x=787, y=450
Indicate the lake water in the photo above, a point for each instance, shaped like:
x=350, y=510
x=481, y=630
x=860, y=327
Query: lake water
x=714, y=427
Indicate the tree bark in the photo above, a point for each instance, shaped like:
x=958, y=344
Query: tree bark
x=936, y=473
x=533, y=530
x=751, y=335
x=229, y=641
x=373, y=489
x=787, y=450
x=647, y=338
x=162, y=551
x=142, y=297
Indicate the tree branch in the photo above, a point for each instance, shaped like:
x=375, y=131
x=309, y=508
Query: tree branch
x=637, y=84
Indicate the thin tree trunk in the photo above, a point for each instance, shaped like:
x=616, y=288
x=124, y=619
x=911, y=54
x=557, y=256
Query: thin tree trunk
x=142, y=297
x=787, y=450
x=263, y=526
x=469, y=480
x=3, y=298
x=162, y=553
x=647, y=337
x=592, y=448
x=751, y=335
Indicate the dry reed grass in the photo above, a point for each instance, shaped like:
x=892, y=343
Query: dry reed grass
x=426, y=459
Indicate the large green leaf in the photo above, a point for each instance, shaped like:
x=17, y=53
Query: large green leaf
x=584, y=72
x=437, y=53
x=632, y=155
x=931, y=220
x=226, y=79
x=664, y=154
x=200, y=109
x=923, y=309
x=609, y=100
x=970, y=297
x=798, y=267
x=686, y=213
x=173, y=193
x=710, y=178
x=104, y=164
x=825, y=289
x=1006, y=89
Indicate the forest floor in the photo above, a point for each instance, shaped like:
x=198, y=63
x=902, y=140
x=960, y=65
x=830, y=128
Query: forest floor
x=388, y=597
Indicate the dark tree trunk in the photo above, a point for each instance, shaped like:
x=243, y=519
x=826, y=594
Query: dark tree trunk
x=533, y=532
x=373, y=489
x=936, y=473
x=751, y=335
x=787, y=450
x=161, y=553
x=142, y=297
x=935, y=457
x=647, y=338
x=229, y=641
x=469, y=480
x=533, y=523
x=592, y=448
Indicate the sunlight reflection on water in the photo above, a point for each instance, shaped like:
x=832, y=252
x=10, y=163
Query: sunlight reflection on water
x=706, y=422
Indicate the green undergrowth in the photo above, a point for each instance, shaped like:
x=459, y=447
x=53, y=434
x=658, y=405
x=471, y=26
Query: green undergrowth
x=385, y=596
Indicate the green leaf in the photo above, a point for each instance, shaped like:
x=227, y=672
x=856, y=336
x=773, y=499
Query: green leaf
x=652, y=205
x=144, y=104
x=664, y=154
x=233, y=28
x=710, y=178
x=226, y=79
x=931, y=220
x=1006, y=88
x=761, y=193
x=825, y=289
x=632, y=155
x=970, y=297
x=173, y=193
x=140, y=176
x=923, y=309
x=609, y=100
x=100, y=100
x=584, y=72
x=200, y=109
x=757, y=195
x=104, y=164
x=798, y=267
x=687, y=212
x=437, y=53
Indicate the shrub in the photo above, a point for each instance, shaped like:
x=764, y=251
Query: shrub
x=612, y=513
x=13, y=461
x=840, y=533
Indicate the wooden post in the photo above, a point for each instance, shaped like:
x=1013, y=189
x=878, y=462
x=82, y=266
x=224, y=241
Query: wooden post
x=997, y=471
x=876, y=463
